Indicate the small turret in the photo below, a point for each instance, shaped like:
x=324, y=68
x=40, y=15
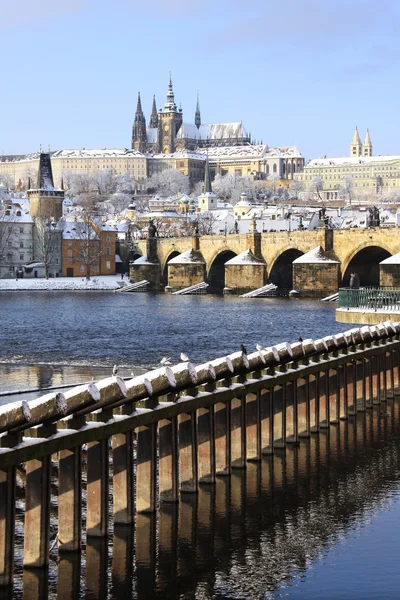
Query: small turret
x=367, y=147
x=170, y=102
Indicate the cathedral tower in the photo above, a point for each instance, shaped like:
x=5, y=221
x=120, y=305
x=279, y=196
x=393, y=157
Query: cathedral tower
x=139, y=137
x=355, y=146
x=169, y=122
x=197, y=116
x=367, y=147
x=154, y=116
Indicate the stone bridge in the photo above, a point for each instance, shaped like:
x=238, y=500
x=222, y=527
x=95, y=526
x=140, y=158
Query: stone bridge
x=272, y=259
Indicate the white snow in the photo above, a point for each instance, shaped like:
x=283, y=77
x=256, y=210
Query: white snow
x=317, y=255
x=143, y=260
x=190, y=256
x=102, y=282
x=245, y=258
x=391, y=260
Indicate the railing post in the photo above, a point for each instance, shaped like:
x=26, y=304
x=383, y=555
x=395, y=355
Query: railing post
x=253, y=427
x=37, y=512
x=7, y=524
x=123, y=486
x=188, y=468
x=267, y=421
x=238, y=433
x=146, y=468
x=205, y=444
x=97, y=488
x=70, y=499
x=168, y=460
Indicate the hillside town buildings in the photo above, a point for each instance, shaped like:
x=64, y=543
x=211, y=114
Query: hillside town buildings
x=363, y=174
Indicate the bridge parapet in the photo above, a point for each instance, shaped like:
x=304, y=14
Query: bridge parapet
x=189, y=423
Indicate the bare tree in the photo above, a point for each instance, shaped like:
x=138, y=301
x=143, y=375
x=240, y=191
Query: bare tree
x=206, y=222
x=47, y=243
x=88, y=234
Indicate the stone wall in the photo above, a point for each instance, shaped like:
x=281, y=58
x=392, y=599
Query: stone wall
x=184, y=275
x=316, y=280
x=244, y=278
x=389, y=275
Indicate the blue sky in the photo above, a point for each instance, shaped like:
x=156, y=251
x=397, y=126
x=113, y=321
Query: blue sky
x=303, y=73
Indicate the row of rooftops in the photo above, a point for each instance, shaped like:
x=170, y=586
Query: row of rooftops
x=247, y=151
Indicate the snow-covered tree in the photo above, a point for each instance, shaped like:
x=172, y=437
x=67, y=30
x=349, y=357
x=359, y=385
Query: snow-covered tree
x=169, y=183
x=229, y=187
x=345, y=191
x=296, y=189
x=87, y=234
x=314, y=188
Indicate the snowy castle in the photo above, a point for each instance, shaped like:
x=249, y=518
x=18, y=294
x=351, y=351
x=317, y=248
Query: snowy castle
x=168, y=132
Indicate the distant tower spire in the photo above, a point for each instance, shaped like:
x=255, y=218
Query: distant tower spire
x=154, y=115
x=139, y=137
x=197, y=116
x=207, y=178
x=170, y=103
x=367, y=148
x=355, y=146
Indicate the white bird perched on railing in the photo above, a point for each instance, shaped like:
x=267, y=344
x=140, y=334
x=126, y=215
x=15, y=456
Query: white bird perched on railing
x=184, y=357
x=115, y=370
x=166, y=361
x=259, y=347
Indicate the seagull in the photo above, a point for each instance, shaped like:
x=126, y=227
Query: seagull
x=300, y=338
x=184, y=357
x=115, y=370
x=243, y=349
x=166, y=361
x=259, y=347
x=132, y=373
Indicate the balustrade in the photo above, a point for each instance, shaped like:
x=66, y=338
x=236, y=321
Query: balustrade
x=155, y=438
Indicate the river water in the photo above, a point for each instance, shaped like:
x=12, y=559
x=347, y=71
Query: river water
x=320, y=521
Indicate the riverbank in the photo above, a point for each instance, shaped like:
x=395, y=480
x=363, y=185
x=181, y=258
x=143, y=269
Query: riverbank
x=103, y=282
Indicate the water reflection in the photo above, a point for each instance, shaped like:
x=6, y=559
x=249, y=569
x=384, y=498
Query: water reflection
x=251, y=533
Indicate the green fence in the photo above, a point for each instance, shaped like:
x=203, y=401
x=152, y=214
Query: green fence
x=370, y=298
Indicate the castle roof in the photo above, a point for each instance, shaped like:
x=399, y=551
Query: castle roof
x=106, y=152
x=211, y=131
x=350, y=160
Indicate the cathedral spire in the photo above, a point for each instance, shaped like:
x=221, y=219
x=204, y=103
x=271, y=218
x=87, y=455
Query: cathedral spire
x=139, y=136
x=197, y=116
x=154, y=116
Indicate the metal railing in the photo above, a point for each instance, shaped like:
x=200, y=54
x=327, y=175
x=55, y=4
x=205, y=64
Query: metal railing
x=370, y=298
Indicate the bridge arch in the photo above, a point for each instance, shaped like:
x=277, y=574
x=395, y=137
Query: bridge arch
x=164, y=268
x=216, y=270
x=364, y=260
x=281, y=270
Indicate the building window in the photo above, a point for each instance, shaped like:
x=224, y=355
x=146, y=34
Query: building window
x=11, y=269
x=274, y=168
x=108, y=265
x=21, y=230
x=108, y=251
x=107, y=238
x=21, y=244
x=82, y=268
x=21, y=257
x=69, y=253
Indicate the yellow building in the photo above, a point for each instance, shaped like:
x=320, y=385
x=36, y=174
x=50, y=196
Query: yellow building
x=21, y=168
x=367, y=174
x=188, y=163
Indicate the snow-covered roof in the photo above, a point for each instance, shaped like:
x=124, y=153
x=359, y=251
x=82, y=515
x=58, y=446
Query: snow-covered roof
x=317, y=255
x=177, y=155
x=143, y=260
x=350, y=160
x=391, y=260
x=190, y=256
x=105, y=152
x=211, y=131
x=245, y=258
x=253, y=151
